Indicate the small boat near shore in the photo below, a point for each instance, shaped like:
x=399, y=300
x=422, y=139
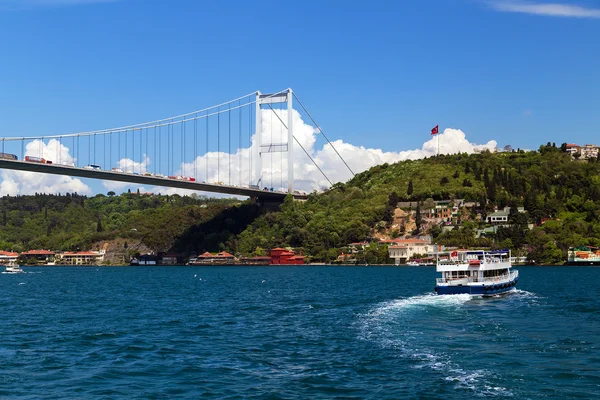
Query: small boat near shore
x=475, y=272
x=13, y=268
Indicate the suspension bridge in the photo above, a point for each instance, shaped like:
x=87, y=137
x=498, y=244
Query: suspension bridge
x=245, y=146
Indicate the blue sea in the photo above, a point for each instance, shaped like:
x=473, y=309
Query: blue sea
x=294, y=333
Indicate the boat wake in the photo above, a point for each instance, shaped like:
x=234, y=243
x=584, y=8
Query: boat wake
x=409, y=328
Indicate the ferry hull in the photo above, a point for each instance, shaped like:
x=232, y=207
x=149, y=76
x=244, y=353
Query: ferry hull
x=489, y=289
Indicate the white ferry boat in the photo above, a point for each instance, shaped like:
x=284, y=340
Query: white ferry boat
x=475, y=272
x=13, y=268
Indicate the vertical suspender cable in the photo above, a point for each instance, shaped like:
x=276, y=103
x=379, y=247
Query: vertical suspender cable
x=250, y=119
x=240, y=141
x=182, y=148
x=207, y=147
x=229, y=133
x=195, y=152
x=119, y=149
x=271, y=150
x=133, y=150
x=218, y=144
x=159, y=138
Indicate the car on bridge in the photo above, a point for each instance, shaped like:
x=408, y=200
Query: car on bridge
x=8, y=156
x=116, y=170
x=93, y=166
x=67, y=164
x=37, y=160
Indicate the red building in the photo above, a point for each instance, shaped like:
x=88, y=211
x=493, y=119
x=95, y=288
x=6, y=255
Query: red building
x=281, y=256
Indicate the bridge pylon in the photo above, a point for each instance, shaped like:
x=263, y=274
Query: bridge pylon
x=262, y=148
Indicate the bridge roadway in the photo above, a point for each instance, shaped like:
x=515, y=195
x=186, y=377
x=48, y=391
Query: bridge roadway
x=57, y=169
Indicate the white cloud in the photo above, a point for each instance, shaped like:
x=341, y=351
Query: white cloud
x=547, y=9
x=23, y=182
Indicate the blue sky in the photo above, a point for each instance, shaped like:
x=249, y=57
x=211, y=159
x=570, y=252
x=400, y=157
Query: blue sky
x=374, y=74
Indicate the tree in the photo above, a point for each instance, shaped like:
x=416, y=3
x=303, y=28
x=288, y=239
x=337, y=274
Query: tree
x=111, y=193
x=418, y=219
x=467, y=183
x=467, y=168
x=444, y=181
x=99, y=225
x=456, y=174
x=409, y=191
x=393, y=199
x=563, y=147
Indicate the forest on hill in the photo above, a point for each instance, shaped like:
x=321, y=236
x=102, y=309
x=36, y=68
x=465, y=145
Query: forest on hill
x=73, y=222
x=561, y=197
x=552, y=187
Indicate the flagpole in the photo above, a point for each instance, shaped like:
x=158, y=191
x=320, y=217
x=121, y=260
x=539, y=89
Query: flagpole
x=438, y=136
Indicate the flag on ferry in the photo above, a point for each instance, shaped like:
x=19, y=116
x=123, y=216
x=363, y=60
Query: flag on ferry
x=435, y=130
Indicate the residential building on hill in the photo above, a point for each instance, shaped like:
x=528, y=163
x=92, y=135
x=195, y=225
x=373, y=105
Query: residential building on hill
x=501, y=217
x=585, y=151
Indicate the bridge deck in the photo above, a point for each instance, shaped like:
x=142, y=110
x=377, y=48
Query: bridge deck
x=142, y=179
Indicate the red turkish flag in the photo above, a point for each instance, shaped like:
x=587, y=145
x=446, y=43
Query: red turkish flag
x=435, y=130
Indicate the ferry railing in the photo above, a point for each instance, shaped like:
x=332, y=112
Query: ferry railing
x=471, y=279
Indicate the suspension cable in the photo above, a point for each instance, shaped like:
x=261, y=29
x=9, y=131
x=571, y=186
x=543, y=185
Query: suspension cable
x=302, y=147
x=323, y=133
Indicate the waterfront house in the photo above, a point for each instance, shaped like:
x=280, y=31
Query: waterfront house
x=172, y=259
x=8, y=257
x=81, y=257
x=41, y=256
x=206, y=258
x=404, y=249
x=281, y=256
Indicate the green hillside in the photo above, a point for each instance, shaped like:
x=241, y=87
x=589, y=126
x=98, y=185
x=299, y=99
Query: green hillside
x=548, y=183
x=74, y=222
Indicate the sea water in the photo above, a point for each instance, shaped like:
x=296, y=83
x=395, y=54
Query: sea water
x=294, y=332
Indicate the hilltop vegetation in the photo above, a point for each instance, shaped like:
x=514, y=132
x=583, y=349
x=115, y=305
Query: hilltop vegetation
x=548, y=183
x=551, y=186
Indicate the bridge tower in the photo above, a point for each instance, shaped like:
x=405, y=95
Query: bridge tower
x=262, y=148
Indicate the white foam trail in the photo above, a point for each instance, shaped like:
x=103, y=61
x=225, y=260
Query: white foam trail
x=391, y=326
x=429, y=300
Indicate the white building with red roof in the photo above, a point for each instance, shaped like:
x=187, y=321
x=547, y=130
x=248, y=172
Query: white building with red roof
x=8, y=257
